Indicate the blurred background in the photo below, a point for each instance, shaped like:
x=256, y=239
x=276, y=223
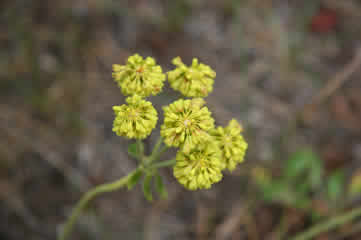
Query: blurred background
x=288, y=70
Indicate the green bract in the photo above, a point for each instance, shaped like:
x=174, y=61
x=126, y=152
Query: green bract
x=139, y=76
x=186, y=123
x=194, y=81
x=200, y=168
x=231, y=142
x=135, y=120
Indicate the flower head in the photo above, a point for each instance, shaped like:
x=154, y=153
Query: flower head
x=186, y=123
x=194, y=81
x=135, y=120
x=232, y=143
x=139, y=76
x=199, y=168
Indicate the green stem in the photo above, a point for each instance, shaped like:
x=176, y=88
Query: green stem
x=140, y=148
x=155, y=156
x=157, y=146
x=356, y=228
x=162, y=150
x=157, y=151
x=328, y=225
x=91, y=194
x=113, y=186
x=167, y=163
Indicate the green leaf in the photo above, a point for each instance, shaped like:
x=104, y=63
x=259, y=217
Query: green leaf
x=132, y=150
x=159, y=187
x=301, y=187
x=280, y=191
x=300, y=162
x=134, y=179
x=316, y=173
x=147, y=187
x=335, y=185
x=296, y=165
x=273, y=191
x=276, y=191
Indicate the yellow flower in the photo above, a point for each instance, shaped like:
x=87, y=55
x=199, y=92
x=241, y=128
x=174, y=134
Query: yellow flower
x=139, y=76
x=200, y=168
x=231, y=143
x=135, y=120
x=194, y=81
x=186, y=123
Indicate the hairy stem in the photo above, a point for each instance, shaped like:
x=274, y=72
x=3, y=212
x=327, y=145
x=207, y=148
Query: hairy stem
x=328, y=225
x=90, y=195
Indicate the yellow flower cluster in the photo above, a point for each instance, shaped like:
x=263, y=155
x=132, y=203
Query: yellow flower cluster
x=200, y=168
x=139, y=76
x=199, y=164
x=232, y=143
x=194, y=81
x=186, y=123
x=135, y=120
x=204, y=151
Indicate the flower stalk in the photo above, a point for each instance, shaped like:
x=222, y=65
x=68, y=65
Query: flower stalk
x=146, y=163
x=90, y=195
x=168, y=163
x=140, y=149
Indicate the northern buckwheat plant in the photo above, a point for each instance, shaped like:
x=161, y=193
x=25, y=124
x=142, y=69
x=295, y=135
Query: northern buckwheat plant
x=204, y=151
